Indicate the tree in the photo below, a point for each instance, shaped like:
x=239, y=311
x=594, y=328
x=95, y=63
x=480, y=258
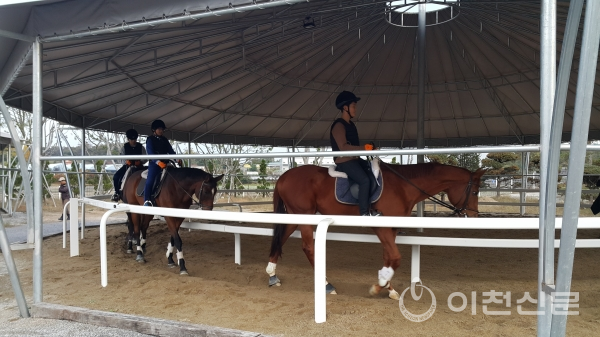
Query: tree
x=263, y=184
x=501, y=164
x=470, y=161
x=446, y=159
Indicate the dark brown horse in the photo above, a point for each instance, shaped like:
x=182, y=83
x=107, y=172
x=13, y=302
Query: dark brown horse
x=309, y=189
x=178, y=189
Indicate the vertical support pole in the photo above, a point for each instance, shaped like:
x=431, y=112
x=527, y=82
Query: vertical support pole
x=421, y=93
x=548, y=183
x=238, y=249
x=524, y=164
x=82, y=189
x=189, y=161
x=24, y=171
x=36, y=164
x=581, y=121
x=547, y=88
x=13, y=272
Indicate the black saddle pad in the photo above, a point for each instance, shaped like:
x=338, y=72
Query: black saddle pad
x=346, y=191
x=157, y=187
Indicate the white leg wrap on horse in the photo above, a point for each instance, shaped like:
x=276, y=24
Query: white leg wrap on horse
x=169, y=249
x=139, y=249
x=385, y=276
x=179, y=255
x=142, y=241
x=271, y=268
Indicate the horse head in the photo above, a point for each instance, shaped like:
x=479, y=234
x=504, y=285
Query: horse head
x=464, y=195
x=207, y=191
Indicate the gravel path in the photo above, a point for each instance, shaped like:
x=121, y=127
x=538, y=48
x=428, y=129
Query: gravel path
x=11, y=324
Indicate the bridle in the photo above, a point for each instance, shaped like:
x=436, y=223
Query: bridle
x=198, y=202
x=455, y=211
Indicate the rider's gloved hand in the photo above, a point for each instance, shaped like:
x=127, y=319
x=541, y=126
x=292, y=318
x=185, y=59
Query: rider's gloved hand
x=128, y=162
x=180, y=162
x=161, y=165
x=138, y=163
x=369, y=147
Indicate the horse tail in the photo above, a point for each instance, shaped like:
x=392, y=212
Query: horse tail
x=278, y=229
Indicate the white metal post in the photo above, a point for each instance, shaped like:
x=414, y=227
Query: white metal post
x=238, y=249
x=415, y=264
x=320, y=270
x=73, y=227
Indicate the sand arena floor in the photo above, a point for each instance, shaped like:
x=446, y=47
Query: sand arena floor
x=221, y=293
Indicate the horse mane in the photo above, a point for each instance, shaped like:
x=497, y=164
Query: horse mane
x=188, y=172
x=415, y=171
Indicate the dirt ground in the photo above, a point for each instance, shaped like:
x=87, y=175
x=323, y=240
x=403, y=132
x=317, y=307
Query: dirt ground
x=221, y=293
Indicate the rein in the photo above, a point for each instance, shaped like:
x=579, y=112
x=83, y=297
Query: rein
x=457, y=211
x=186, y=192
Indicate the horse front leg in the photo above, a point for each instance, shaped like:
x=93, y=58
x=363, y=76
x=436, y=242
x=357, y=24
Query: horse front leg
x=308, y=246
x=130, y=237
x=179, y=246
x=171, y=262
x=391, y=262
x=173, y=224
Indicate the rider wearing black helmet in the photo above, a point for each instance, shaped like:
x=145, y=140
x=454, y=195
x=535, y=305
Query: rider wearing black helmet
x=156, y=144
x=344, y=137
x=132, y=147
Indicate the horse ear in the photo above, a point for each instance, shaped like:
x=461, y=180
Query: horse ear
x=218, y=178
x=480, y=172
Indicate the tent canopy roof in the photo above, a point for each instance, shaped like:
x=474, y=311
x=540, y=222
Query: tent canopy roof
x=238, y=72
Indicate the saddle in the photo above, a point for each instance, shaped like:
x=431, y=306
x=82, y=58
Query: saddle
x=346, y=190
x=156, y=186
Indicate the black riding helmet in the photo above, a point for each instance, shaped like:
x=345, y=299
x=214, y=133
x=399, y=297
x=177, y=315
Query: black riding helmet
x=345, y=98
x=158, y=124
x=131, y=134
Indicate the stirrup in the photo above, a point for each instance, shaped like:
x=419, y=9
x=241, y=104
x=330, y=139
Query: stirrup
x=148, y=203
x=115, y=197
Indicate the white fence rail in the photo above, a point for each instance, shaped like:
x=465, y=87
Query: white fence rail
x=323, y=222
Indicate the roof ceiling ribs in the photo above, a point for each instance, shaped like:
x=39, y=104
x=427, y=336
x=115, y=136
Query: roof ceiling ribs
x=258, y=76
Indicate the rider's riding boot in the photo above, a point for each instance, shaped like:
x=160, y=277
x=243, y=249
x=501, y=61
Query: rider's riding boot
x=148, y=203
x=373, y=212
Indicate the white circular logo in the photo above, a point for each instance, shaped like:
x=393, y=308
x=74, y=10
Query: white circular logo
x=409, y=315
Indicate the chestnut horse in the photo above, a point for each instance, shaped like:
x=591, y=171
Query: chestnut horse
x=309, y=189
x=178, y=189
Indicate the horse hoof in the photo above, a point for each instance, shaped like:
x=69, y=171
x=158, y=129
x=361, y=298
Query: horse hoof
x=394, y=295
x=183, y=272
x=171, y=265
x=330, y=289
x=375, y=289
x=274, y=281
x=140, y=259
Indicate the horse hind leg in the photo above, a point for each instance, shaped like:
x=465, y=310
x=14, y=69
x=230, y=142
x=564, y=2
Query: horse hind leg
x=287, y=230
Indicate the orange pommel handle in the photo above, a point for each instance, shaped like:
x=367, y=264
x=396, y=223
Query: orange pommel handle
x=368, y=147
x=161, y=165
